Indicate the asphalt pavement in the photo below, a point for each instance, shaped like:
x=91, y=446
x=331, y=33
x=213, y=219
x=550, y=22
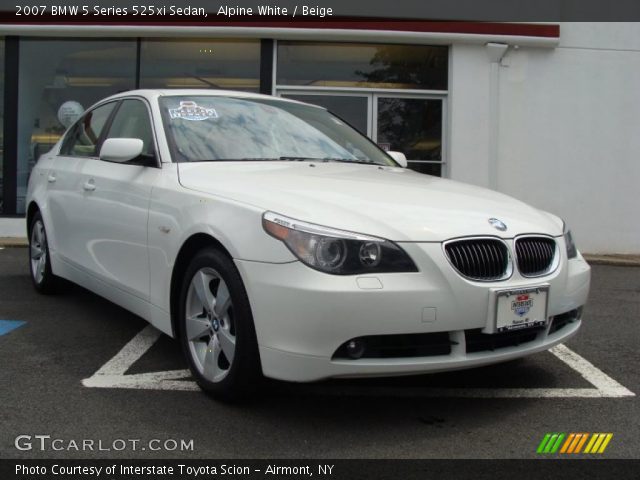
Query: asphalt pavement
x=67, y=338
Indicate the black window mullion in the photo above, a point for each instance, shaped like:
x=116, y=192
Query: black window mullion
x=266, y=66
x=10, y=130
x=138, y=60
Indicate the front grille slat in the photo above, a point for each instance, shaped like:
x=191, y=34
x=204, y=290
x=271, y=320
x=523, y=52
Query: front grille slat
x=537, y=260
x=535, y=255
x=496, y=260
x=483, y=259
x=486, y=263
x=541, y=255
x=477, y=261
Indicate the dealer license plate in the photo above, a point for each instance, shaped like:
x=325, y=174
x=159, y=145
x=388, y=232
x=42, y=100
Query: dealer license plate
x=521, y=308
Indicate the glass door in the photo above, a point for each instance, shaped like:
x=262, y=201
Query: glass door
x=413, y=126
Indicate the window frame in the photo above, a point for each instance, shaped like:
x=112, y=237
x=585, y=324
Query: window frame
x=72, y=130
x=107, y=126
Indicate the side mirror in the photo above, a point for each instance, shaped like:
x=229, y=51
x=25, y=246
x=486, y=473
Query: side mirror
x=121, y=150
x=399, y=157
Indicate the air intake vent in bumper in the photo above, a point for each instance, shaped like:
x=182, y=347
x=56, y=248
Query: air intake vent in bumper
x=483, y=259
x=535, y=255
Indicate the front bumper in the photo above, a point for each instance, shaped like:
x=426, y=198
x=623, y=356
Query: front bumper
x=303, y=316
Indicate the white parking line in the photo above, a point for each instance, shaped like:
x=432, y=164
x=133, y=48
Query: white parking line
x=113, y=375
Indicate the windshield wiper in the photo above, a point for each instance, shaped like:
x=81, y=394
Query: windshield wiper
x=302, y=159
x=286, y=158
x=328, y=159
x=248, y=159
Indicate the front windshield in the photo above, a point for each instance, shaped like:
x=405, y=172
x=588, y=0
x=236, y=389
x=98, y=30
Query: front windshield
x=217, y=128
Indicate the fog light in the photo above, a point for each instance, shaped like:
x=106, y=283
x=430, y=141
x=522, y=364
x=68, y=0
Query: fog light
x=355, y=348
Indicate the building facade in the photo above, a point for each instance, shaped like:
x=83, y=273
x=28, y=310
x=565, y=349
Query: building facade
x=546, y=113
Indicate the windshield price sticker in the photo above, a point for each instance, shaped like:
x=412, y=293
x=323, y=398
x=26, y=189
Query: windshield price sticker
x=189, y=110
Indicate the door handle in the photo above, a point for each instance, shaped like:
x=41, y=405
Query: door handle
x=89, y=186
x=51, y=178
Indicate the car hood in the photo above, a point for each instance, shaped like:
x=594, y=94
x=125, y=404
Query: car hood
x=389, y=202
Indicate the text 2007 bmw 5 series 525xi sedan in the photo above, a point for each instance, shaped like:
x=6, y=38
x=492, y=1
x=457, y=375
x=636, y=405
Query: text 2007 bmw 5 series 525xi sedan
x=271, y=238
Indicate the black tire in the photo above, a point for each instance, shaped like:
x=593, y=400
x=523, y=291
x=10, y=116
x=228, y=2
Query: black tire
x=244, y=373
x=43, y=280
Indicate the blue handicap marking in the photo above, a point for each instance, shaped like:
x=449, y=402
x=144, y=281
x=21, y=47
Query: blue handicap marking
x=7, y=325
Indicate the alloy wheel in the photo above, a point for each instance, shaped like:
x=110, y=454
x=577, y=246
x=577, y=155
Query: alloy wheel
x=38, y=251
x=210, y=327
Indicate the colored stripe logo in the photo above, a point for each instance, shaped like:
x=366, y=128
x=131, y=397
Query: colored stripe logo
x=573, y=443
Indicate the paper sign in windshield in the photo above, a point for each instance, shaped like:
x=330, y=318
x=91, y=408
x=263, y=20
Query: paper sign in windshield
x=189, y=110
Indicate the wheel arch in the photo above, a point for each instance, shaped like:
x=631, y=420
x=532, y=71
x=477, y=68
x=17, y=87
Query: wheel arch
x=32, y=209
x=188, y=250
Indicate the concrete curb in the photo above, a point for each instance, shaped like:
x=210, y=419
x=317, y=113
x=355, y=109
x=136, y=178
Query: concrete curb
x=9, y=242
x=616, y=260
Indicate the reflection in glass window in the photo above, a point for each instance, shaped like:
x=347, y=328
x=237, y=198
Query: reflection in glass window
x=132, y=121
x=352, y=109
x=1, y=122
x=83, y=137
x=58, y=79
x=413, y=126
x=362, y=65
x=200, y=63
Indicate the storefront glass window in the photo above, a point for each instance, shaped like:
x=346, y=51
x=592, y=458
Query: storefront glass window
x=59, y=79
x=362, y=65
x=200, y=63
x=1, y=122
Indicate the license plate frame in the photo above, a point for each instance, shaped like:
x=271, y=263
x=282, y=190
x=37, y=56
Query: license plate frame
x=520, y=308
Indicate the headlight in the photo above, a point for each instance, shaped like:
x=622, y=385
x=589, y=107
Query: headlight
x=572, y=251
x=337, y=251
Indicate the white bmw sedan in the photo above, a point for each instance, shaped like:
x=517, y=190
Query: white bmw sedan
x=273, y=239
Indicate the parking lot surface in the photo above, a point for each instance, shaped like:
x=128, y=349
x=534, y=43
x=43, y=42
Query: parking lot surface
x=64, y=373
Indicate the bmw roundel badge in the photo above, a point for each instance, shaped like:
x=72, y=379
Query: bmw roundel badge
x=498, y=224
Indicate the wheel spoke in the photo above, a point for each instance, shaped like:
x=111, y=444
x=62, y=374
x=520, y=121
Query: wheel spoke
x=197, y=327
x=200, y=351
x=222, y=300
x=203, y=291
x=40, y=234
x=227, y=343
x=41, y=265
x=36, y=252
x=210, y=365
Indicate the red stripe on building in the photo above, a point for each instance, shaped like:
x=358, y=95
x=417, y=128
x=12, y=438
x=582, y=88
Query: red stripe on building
x=338, y=23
